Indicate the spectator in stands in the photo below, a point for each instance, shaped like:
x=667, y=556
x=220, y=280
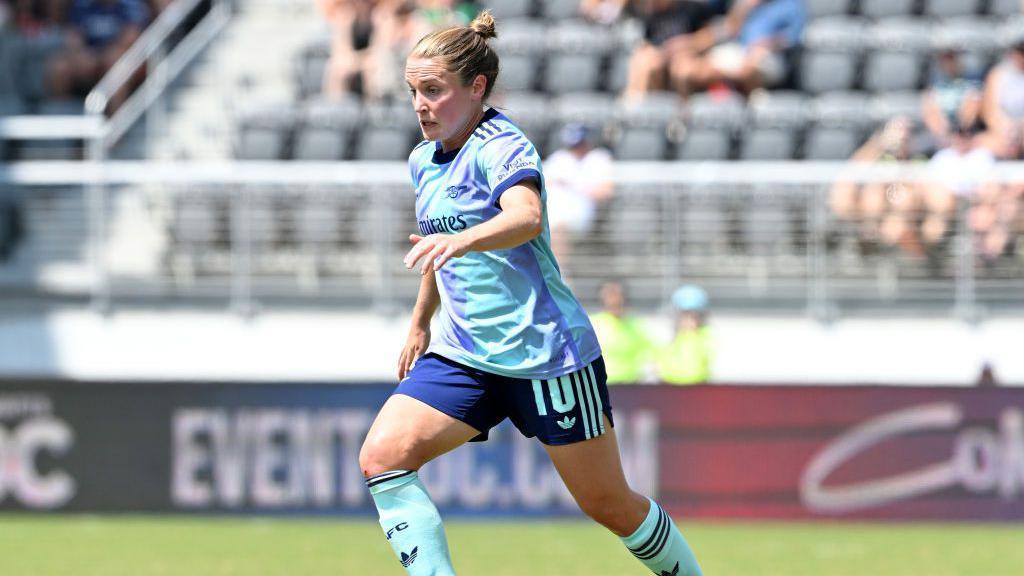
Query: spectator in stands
x=604, y=12
x=625, y=345
x=961, y=169
x=352, y=26
x=748, y=49
x=996, y=216
x=666, y=25
x=579, y=178
x=953, y=98
x=440, y=13
x=1003, y=99
x=687, y=358
x=99, y=33
x=881, y=212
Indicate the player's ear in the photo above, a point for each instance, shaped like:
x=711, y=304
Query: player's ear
x=479, y=86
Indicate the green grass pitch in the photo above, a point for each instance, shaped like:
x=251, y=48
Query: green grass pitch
x=202, y=546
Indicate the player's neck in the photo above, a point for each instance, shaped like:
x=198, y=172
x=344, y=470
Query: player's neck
x=459, y=139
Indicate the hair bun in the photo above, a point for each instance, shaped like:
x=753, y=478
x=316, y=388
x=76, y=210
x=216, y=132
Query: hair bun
x=483, y=25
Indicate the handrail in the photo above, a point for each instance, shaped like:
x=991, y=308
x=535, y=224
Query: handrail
x=151, y=39
x=166, y=71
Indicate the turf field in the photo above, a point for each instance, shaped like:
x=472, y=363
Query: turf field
x=144, y=546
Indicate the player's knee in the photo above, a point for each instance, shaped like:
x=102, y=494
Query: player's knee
x=605, y=508
x=381, y=454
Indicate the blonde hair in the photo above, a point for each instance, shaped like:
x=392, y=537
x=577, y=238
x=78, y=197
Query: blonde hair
x=464, y=50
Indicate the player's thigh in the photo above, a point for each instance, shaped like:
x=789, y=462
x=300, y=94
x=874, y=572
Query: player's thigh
x=408, y=433
x=592, y=469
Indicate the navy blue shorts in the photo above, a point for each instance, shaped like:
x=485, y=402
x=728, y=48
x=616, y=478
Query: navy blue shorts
x=561, y=410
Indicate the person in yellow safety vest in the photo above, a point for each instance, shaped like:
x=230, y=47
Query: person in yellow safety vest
x=624, y=343
x=687, y=358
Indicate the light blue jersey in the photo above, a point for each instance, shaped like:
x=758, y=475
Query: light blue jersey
x=502, y=311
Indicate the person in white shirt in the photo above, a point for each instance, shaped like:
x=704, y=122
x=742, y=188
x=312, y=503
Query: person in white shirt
x=579, y=178
x=960, y=170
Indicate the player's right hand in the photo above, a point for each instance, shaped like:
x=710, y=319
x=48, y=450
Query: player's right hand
x=415, y=345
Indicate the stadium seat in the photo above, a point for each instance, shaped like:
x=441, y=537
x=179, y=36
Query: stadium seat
x=640, y=143
x=263, y=132
x=572, y=73
x=827, y=71
x=559, y=9
x=820, y=8
x=892, y=71
x=384, y=143
x=765, y=224
x=968, y=34
x=593, y=109
x=836, y=34
x=712, y=111
x=260, y=144
x=768, y=144
x=705, y=145
x=530, y=111
x=843, y=110
x=947, y=8
x=892, y=104
x=886, y=8
x=310, y=66
x=521, y=36
x=656, y=109
x=831, y=143
x=577, y=37
x=196, y=221
x=314, y=143
x=508, y=8
x=518, y=72
x=780, y=109
x=618, y=73
x=901, y=34
x=318, y=222
x=326, y=129
x=1004, y=8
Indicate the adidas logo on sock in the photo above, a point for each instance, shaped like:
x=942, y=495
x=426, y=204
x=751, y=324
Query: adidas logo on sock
x=567, y=423
x=674, y=572
x=408, y=559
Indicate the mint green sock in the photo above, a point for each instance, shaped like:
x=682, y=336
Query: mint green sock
x=411, y=523
x=659, y=545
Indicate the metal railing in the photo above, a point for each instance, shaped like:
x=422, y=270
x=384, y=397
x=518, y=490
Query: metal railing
x=756, y=235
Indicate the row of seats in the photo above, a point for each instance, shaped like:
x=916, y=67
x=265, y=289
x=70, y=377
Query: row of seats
x=936, y=8
x=772, y=125
x=561, y=9
x=839, y=53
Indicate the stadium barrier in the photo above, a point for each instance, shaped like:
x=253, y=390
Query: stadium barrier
x=704, y=451
x=755, y=234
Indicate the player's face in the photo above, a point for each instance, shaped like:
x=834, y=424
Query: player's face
x=442, y=104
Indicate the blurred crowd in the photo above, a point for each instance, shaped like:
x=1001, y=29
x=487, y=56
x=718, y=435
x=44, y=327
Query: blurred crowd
x=971, y=119
x=59, y=49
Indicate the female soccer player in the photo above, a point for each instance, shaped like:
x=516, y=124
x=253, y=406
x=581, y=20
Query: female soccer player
x=514, y=341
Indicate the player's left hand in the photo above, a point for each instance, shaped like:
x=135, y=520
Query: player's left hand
x=435, y=249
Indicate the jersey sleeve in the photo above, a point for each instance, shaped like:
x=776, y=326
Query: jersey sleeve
x=508, y=159
x=414, y=164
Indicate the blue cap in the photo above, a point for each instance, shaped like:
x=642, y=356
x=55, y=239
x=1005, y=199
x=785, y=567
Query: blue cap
x=690, y=298
x=574, y=134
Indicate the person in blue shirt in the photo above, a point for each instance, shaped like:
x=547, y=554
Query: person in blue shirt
x=747, y=49
x=512, y=340
x=99, y=33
